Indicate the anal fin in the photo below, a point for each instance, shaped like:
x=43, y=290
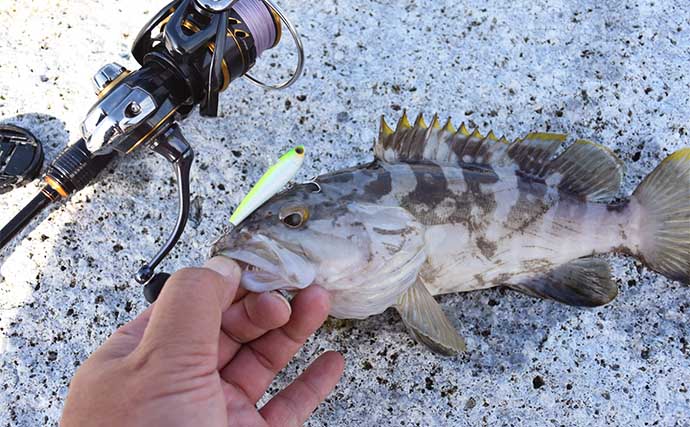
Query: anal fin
x=426, y=321
x=584, y=282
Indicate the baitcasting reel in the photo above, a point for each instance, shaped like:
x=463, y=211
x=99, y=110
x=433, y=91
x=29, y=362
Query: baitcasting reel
x=189, y=52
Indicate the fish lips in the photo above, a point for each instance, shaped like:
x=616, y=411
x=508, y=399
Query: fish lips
x=267, y=266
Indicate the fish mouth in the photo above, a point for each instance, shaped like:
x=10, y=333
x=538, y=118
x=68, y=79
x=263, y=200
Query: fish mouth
x=267, y=266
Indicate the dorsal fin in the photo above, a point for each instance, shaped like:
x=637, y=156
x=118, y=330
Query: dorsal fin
x=588, y=169
x=435, y=143
x=476, y=148
x=585, y=168
x=533, y=153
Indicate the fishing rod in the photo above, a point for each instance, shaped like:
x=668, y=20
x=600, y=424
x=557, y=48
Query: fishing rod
x=189, y=52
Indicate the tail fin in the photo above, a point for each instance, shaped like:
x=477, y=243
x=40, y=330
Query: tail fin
x=664, y=202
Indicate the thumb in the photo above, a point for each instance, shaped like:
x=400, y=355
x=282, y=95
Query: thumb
x=186, y=318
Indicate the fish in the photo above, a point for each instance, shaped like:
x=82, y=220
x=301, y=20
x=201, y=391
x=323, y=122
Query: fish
x=443, y=210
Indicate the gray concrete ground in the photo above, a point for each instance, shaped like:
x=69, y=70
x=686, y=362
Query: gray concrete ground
x=613, y=72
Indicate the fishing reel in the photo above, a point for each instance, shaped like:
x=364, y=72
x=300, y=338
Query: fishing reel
x=189, y=52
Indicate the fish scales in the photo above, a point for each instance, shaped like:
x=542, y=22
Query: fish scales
x=442, y=210
x=485, y=224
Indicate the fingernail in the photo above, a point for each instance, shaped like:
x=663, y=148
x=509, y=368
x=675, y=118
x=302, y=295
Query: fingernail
x=224, y=266
x=278, y=296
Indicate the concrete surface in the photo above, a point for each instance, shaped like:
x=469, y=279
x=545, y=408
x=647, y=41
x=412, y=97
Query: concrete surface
x=613, y=72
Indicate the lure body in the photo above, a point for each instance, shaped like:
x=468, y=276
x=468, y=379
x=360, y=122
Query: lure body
x=270, y=183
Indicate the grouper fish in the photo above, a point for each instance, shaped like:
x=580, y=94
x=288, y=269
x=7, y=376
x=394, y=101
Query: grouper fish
x=444, y=210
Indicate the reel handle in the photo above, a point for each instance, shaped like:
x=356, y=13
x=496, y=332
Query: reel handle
x=172, y=145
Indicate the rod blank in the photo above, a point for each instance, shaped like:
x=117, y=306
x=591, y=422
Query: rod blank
x=30, y=211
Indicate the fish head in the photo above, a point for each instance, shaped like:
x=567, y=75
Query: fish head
x=300, y=236
x=342, y=231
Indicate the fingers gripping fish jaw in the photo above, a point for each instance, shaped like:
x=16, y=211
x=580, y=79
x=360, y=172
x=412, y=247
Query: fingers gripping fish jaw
x=267, y=266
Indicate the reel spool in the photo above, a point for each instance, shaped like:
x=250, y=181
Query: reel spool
x=241, y=29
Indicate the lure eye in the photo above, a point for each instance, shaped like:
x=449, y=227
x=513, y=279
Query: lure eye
x=313, y=187
x=294, y=217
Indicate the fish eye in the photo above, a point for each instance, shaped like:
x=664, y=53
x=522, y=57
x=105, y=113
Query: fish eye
x=294, y=217
x=293, y=220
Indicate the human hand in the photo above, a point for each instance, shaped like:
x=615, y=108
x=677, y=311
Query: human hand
x=203, y=355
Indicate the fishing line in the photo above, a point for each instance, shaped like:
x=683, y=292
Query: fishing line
x=280, y=15
x=258, y=18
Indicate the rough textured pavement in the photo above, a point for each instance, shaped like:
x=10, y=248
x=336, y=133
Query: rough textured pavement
x=612, y=72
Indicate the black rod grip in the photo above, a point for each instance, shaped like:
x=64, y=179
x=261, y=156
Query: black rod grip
x=75, y=167
x=71, y=171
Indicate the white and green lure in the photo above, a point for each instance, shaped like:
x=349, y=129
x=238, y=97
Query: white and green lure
x=274, y=180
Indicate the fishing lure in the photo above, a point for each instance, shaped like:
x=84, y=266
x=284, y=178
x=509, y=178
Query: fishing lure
x=275, y=178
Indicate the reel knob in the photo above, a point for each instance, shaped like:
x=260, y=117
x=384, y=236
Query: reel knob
x=154, y=287
x=107, y=75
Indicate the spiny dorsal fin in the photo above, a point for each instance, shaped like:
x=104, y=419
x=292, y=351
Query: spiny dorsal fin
x=584, y=169
x=435, y=123
x=419, y=122
x=448, y=127
x=405, y=144
x=533, y=153
x=403, y=123
x=435, y=143
x=385, y=131
x=588, y=169
x=477, y=149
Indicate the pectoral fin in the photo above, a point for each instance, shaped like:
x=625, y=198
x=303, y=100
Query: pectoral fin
x=585, y=282
x=426, y=321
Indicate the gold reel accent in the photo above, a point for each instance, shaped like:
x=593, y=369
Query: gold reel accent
x=55, y=186
x=112, y=84
x=211, y=46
